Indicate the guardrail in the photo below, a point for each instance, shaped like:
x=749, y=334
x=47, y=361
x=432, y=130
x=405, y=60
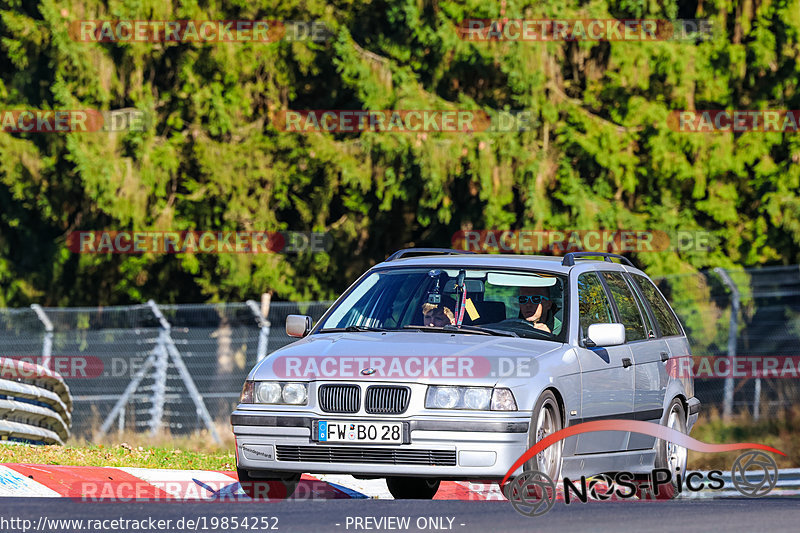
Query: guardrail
x=35, y=404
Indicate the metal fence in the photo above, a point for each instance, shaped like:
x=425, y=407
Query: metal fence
x=181, y=367
x=150, y=367
x=749, y=312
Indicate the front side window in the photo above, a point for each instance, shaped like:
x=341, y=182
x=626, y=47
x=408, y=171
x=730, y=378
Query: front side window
x=484, y=301
x=626, y=305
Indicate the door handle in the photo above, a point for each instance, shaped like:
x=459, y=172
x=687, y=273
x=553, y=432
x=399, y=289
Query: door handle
x=626, y=362
x=664, y=356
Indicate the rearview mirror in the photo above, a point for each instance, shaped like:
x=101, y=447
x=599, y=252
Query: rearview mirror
x=298, y=325
x=605, y=335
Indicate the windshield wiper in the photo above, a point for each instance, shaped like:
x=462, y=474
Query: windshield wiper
x=351, y=329
x=435, y=329
x=449, y=328
x=481, y=329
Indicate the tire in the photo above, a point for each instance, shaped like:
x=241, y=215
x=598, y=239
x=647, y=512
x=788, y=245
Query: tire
x=668, y=456
x=267, y=485
x=412, y=488
x=545, y=420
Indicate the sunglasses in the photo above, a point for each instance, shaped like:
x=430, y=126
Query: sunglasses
x=536, y=299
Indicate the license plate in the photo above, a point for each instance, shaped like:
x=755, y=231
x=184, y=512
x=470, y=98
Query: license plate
x=376, y=432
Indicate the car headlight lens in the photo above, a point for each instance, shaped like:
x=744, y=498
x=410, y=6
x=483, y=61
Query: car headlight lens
x=443, y=397
x=274, y=393
x=476, y=398
x=268, y=392
x=503, y=400
x=295, y=393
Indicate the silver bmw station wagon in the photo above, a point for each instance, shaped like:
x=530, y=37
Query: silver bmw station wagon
x=440, y=364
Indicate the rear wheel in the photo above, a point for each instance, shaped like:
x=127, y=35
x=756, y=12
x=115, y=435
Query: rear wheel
x=412, y=488
x=669, y=456
x=267, y=485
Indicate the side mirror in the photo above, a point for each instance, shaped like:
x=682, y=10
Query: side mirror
x=298, y=325
x=605, y=335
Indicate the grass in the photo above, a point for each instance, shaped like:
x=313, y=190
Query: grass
x=195, y=452
x=781, y=431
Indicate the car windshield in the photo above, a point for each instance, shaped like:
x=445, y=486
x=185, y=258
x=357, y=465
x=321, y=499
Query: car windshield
x=471, y=301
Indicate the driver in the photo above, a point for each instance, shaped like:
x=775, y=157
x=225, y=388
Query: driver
x=437, y=315
x=536, y=307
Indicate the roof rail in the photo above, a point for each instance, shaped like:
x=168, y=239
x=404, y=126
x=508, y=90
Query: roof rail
x=426, y=251
x=569, y=259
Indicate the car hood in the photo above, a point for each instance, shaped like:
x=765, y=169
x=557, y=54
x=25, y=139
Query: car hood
x=406, y=356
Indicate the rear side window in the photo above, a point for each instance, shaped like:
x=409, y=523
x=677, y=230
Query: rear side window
x=594, y=307
x=666, y=320
x=626, y=305
x=648, y=320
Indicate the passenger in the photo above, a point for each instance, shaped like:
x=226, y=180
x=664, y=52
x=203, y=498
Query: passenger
x=437, y=315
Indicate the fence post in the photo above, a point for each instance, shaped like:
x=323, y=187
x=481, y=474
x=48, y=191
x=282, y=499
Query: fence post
x=264, y=324
x=47, y=343
x=159, y=382
x=188, y=382
x=757, y=400
x=727, y=408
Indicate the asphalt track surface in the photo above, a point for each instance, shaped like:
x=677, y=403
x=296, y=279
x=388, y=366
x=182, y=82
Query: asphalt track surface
x=724, y=515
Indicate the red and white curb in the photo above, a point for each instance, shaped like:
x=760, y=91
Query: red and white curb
x=87, y=483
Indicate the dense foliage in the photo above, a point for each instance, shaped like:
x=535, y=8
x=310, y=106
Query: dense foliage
x=601, y=155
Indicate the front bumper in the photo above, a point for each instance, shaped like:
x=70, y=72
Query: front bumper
x=457, y=446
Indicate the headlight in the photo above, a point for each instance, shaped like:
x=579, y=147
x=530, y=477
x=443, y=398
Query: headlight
x=295, y=393
x=503, y=400
x=476, y=398
x=443, y=397
x=268, y=392
x=274, y=393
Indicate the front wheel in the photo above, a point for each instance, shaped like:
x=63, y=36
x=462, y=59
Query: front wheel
x=266, y=485
x=545, y=420
x=412, y=488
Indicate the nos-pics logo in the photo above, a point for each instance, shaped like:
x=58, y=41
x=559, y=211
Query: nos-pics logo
x=533, y=493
